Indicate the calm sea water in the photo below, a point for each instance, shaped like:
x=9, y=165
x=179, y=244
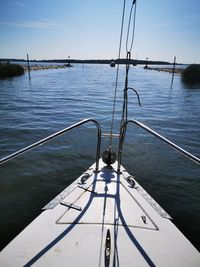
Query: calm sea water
x=54, y=99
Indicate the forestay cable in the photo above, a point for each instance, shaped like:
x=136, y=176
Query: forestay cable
x=109, y=156
x=129, y=24
x=128, y=57
x=117, y=75
x=128, y=60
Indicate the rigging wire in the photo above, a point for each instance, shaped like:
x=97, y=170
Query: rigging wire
x=117, y=74
x=128, y=58
x=133, y=30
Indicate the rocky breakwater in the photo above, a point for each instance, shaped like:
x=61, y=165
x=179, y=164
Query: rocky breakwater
x=42, y=67
x=170, y=70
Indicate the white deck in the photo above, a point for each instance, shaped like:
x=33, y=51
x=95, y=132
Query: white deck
x=139, y=235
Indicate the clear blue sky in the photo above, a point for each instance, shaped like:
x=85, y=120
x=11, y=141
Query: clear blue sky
x=89, y=29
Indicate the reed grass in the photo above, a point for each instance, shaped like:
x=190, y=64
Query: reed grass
x=191, y=74
x=10, y=70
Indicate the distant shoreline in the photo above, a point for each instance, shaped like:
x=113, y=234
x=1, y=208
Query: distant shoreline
x=91, y=61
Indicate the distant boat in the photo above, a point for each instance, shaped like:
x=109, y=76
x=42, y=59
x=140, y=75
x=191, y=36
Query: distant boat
x=112, y=63
x=68, y=65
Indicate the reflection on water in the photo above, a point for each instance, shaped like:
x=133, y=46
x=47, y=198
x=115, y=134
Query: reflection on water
x=31, y=109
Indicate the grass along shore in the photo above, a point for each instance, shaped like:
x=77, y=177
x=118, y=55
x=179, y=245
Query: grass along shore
x=10, y=70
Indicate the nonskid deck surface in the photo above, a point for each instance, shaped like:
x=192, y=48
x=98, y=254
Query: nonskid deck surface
x=102, y=219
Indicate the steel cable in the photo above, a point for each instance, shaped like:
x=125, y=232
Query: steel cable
x=117, y=75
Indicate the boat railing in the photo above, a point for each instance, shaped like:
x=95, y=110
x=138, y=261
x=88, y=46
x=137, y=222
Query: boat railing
x=146, y=128
x=61, y=132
